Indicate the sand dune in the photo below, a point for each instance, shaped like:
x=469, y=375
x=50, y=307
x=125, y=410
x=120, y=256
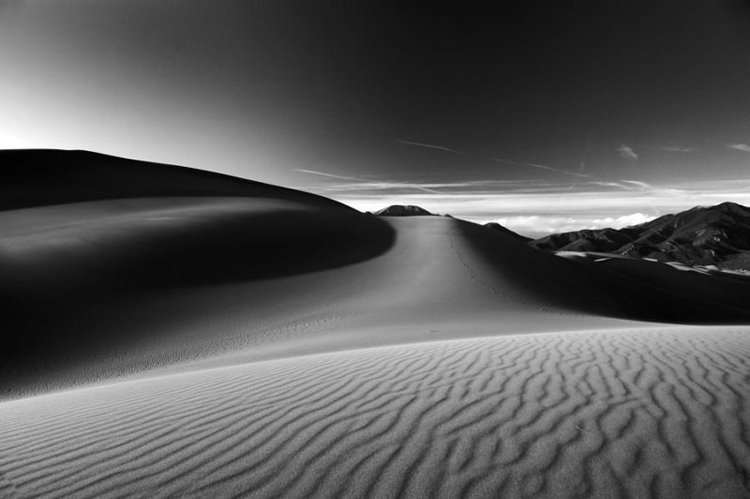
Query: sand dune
x=213, y=337
x=112, y=308
x=632, y=413
x=53, y=177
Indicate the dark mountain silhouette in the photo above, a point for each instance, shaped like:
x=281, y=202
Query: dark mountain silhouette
x=716, y=235
x=503, y=230
x=398, y=210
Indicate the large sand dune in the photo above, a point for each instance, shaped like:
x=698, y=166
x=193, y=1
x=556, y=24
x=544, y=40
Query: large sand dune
x=634, y=413
x=216, y=337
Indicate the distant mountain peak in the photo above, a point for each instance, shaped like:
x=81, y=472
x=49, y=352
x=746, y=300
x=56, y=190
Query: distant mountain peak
x=730, y=207
x=399, y=210
x=713, y=235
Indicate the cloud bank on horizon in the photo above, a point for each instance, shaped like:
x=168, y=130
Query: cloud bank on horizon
x=536, y=209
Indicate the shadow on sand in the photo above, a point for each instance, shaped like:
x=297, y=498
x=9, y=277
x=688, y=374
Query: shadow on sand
x=50, y=303
x=625, y=289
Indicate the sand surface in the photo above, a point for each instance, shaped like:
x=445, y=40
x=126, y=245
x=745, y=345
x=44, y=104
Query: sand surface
x=189, y=345
x=660, y=412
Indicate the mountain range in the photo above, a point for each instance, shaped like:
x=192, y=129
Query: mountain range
x=715, y=235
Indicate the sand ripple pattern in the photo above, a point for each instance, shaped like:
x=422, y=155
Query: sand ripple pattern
x=636, y=413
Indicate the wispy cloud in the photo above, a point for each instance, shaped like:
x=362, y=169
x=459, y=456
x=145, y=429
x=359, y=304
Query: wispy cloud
x=678, y=149
x=616, y=185
x=627, y=153
x=471, y=186
x=627, y=185
x=428, y=146
x=637, y=183
x=565, y=172
x=362, y=184
x=543, y=167
x=739, y=147
x=329, y=175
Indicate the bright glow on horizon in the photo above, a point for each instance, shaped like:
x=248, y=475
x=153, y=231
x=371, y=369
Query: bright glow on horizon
x=535, y=209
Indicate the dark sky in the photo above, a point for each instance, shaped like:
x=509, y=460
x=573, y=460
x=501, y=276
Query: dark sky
x=567, y=95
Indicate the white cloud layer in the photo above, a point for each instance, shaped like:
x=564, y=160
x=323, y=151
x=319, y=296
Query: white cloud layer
x=535, y=209
x=739, y=147
x=622, y=221
x=540, y=225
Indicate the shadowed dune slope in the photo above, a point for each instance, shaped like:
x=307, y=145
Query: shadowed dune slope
x=77, y=277
x=624, y=288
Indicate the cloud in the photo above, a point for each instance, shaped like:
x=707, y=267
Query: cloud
x=533, y=207
x=428, y=146
x=543, y=167
x=485, y=200
x=679, y=149
x=541, y=225
x=572, y=174
x=377, y=187
x=329, y=175
x=627, y=153
x=622, y=221
x=366, y=185
x=628, y=185
x=637, y=183
x=486, y=206
x=611, y=184
x=739, y=147
x=538, y=225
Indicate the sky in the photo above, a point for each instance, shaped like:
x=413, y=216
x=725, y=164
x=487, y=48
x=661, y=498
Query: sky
x=545, y=116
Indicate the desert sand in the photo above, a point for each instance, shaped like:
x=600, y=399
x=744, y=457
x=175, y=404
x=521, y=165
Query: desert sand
x=213, y=337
